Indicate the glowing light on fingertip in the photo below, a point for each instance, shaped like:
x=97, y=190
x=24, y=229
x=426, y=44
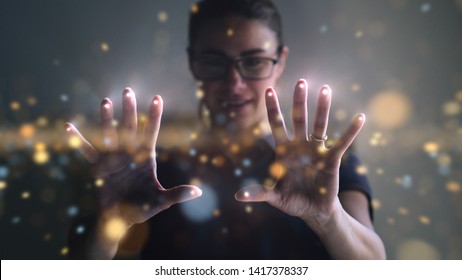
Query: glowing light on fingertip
x=270, y=93
x=246, y=194
x=156, y=102
x=325, y=91
x=301, y=85
x=106, y=106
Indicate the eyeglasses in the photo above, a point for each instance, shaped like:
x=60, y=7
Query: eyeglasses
x=215, y=67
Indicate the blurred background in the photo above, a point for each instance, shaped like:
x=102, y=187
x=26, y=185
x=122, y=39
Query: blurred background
x=398, y=61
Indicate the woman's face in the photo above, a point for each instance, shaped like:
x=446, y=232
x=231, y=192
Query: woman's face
x=235, y=102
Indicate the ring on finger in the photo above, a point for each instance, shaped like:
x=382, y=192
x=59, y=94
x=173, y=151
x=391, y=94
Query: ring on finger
x=315, y=138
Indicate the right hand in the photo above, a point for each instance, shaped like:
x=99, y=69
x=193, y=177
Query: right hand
x=126, y=166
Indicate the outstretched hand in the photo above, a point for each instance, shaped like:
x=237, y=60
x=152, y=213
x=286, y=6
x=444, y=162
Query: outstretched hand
x=306, y=171
x=125, y=169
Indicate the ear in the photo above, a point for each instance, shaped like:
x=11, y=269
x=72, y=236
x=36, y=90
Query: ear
x=282, y=62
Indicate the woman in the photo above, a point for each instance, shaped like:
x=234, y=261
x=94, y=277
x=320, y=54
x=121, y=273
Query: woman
x=314, y=208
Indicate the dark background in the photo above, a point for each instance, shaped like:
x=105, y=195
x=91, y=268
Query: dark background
x=399, y=61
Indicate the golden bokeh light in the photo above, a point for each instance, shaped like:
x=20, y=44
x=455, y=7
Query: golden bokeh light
x=453, y=187
x=390, y=109
x=424, y=220
x=376, y=204
x=194, y=8
x=31, y=101
x=104, y=47
x=64, y=251
x=41, y=157
x=26, y=130
x=99, y=183
x=277, y=170
x=74, y=142
x=451, y=108
x=115, y=229
x=162, y=16
x=25, y=195
x=229, y=32
x=362, y=170
x=2, y=185
x=431, y=147
x=15, y=105
x=417, y=249
x=248, y=209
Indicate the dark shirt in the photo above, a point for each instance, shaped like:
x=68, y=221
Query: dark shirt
x=216, y=226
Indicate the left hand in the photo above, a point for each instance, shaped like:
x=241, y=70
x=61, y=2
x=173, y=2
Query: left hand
x=305, y=171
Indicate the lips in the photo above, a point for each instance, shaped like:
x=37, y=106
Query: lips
x=236, y=103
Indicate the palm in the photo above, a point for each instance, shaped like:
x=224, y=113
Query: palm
x=306, y=172
x=125, y=171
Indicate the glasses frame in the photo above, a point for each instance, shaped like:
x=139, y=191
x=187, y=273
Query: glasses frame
x=233, y=62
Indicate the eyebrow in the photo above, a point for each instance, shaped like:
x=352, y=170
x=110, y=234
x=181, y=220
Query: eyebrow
x=244, y=53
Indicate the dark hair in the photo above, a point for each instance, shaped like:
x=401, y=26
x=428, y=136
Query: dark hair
x=263, y=10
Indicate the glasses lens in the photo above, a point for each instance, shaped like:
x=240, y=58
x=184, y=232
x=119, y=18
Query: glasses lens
x=210, y=67
x=255, y=67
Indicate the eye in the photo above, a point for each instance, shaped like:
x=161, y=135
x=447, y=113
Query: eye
x=253, y=62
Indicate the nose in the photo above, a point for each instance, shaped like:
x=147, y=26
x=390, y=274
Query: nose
x=234, y=79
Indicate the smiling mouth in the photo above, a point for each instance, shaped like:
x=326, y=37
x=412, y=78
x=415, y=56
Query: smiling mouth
x=236, y=103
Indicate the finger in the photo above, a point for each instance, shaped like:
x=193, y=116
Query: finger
x=110, y=139
x=179, y=194
x=254, y=193
x=153, y=125
x=275, y=117
x=300, y=110
x=347, y=138
x=322, y=112
x=129, y=118
x=79, y=142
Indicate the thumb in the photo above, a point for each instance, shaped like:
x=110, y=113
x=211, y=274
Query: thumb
x=180, y=194
x=254, y=193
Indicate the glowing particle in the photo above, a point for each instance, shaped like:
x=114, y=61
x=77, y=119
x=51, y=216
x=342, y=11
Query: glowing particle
x=234, y=148
x=325, y=91
x=104, y=47
x=31, y=101
x=246, y=162
x=193, y=136
x=424, y=220
x=80, y=229
x=27, y=131
x=425, y=7
x=99, y=182
x=2, y=185
x=403, y=211
x=203, y=158
x=162, y=16
x=391, y=221
x=355, y=87
x=42, y=122
x=64, y=97
x=256, y=131
x=25, y=195
x=452, y=108
x=218, y=161
x=16, y=220
x=200, y=94
x=379, y=171
x=237, y=172
x=376, y=204
x=75, y=142
x=47, y=237
x=390, y=109
x=216, y=213
x=115, y=228
x=281, y=150
x=72, y=211
x=229, y=32
x=192, y=152
x=277, y=170
x=458, y=94
x=453, y=186
x=15, y=105
x=359, y=34
x=41, y=157
x=417, y=249
x=248, y=209
x=195, y=181
x=406, y=181
x=246, y=194
x=323, y=28
x=115, y=123
x=431, y=147
x=322, y=190
x=64, y=251
x=361, y=170
x=301, y=85
x=267, y=45
x=194, y=8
